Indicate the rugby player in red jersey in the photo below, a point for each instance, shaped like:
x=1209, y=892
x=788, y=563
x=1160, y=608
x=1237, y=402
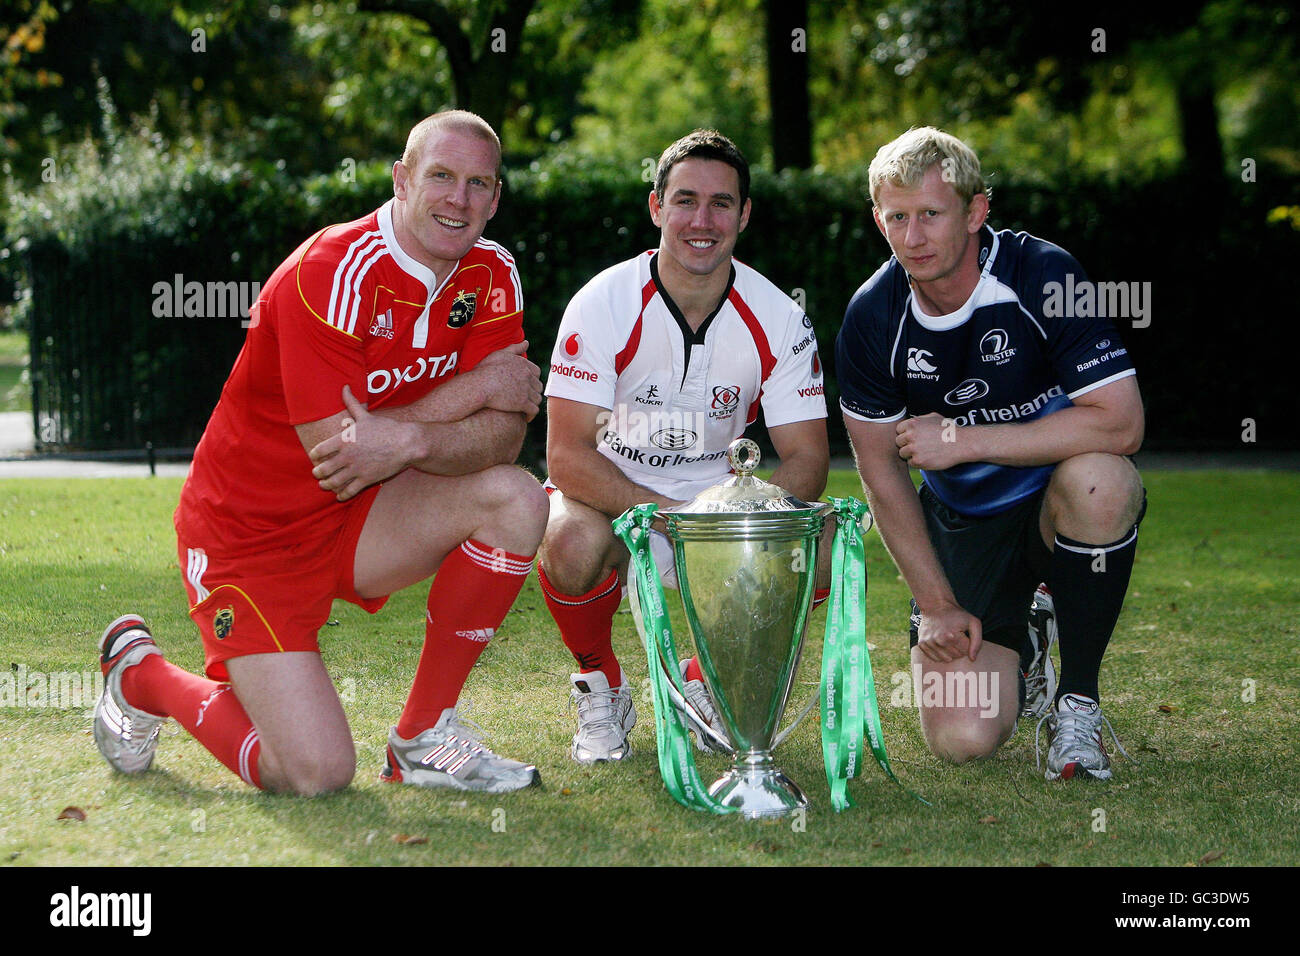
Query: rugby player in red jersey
x=364, y=441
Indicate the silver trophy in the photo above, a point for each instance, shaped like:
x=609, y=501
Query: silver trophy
x=746, y=558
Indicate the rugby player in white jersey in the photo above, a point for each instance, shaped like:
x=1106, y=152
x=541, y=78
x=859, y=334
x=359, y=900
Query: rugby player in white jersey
x=660, y=362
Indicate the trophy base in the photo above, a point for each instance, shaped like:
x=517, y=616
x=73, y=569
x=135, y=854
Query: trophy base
x=757, y=788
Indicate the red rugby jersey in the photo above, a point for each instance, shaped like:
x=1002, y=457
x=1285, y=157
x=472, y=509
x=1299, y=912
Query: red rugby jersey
x=348, y=307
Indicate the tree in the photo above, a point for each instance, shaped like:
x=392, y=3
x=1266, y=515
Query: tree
x=482, y=45
x=787, y=82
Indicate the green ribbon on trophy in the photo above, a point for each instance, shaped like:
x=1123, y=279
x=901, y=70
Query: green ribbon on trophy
x=676, y=761
x=848, y=687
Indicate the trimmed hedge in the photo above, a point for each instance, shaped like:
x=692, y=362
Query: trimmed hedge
x=107, y=373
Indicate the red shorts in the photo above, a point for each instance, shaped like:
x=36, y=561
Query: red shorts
x=267, y=602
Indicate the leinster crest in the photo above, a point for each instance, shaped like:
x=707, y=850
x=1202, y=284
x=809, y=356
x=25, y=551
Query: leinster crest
x=462, y=309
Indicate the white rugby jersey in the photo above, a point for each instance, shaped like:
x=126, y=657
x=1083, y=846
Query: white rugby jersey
x=677, y=399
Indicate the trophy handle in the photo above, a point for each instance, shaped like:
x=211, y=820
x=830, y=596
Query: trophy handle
x=795, y=723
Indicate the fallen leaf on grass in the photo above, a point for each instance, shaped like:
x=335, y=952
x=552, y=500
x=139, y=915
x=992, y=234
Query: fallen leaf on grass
x=72, y=813
x=1211, y=857
x=1041, y=863
x=989, y=819
x=565, y=792
x=877, y=845
x=405, y=839
x=1166, y=709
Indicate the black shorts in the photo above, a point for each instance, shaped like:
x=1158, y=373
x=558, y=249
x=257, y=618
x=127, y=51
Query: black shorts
x=993, y=564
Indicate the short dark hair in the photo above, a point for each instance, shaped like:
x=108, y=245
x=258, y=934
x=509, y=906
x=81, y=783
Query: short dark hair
x=460, y=120
x=702, y=144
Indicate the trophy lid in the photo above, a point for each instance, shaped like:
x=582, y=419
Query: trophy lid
x=742, y=493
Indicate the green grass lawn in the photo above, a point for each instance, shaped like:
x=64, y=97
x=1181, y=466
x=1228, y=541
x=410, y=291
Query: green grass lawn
x=15, y=391
x=1201, y=684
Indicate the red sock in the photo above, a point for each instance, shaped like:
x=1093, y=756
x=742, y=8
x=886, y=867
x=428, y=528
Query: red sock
x=693, y=671
x=207, y=709
x=586, y=623
x=819, y=597
x=468, y=600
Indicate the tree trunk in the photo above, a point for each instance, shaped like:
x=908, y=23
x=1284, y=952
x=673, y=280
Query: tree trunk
x=787, y=83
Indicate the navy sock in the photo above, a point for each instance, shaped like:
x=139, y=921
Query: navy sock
x=1088, y=584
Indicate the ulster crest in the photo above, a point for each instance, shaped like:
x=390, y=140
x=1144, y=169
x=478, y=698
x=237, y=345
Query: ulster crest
x=462, y=309
x=223, y=622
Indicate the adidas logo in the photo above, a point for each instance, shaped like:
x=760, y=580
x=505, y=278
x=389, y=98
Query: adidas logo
x=481, y=634
x=383, y=325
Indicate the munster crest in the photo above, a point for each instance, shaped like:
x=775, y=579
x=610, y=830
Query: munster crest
x=462, y=309
x=223, y=623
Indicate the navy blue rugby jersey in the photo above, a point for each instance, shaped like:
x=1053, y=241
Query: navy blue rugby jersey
x=1019, y=349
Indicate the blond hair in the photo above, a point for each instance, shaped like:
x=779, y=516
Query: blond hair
x=461, y=120
x=905, y=161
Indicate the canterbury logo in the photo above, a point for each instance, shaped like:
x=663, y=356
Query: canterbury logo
x=918, y=361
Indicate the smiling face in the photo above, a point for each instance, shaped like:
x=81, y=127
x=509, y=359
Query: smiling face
x=445, y=198
x=932, y=232
x=700, y=218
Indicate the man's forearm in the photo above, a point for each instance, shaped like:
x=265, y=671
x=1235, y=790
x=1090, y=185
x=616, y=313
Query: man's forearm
x=1050, y=439
x=473, y=443
x=585, y=475
x=901, y=524
x=803, y=476
x=455, y=399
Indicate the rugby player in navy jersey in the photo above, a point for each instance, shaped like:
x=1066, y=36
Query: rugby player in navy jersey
x=960, y=357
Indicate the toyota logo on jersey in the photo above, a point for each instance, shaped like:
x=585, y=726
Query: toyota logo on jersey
x=725, y=397
x=573, y=347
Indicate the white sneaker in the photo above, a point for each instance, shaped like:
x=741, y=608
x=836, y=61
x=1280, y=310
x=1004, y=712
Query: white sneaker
x=1040, y=678
x=125, y=735
x=697, y=695
x=1075, y=747
x=605, y=718
x=449, y=754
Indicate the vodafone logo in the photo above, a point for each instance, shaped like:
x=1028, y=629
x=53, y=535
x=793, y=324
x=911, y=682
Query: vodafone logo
x=572, y=347
x=812, y=391
x=572, y=371
x=816, y=365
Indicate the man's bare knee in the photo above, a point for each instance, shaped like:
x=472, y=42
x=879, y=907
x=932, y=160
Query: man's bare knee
x=959, y=742
x=579, y=544
x=1094, y=496
x=311, y=775
x=512, y=508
